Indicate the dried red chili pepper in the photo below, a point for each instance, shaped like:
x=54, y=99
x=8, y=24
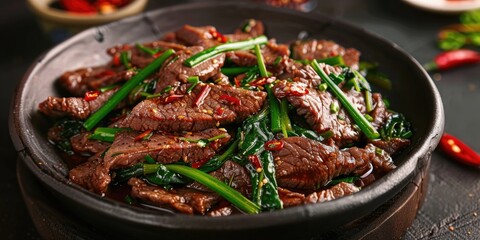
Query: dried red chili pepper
x=273, y=145
x=91, y=95
x=458, y=150
x=230, y=99
x=296, y=91
x=172, y=98
x=143, y=136
x=255, y=161
x=454, y=58
x=202, y=95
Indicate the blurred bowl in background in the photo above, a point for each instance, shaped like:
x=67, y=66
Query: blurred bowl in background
x=60, y=24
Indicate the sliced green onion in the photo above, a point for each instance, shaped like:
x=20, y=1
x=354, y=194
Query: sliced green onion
x=285, y=120
x=125, y=90
x=275, y=121
x=322, y=87
x=334, y=108
x=125, y=58
x=230, y=194
x=193, y=80
x=233, y=71
x=105, y=134
x=260, y=62
x=358, y=117
x=146, y=49
x=216, y=50
x=333, y=61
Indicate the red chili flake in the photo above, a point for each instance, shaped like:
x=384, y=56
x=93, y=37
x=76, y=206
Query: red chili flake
x=172, y=98
x=297, y=91
x=106, y=73
x=143, y=136
x=91, y=95
x=116, y=59
x=255, y=161
x=220, y=111
x=262, y=81
x=202, y=95
x=199, y=163
x=458, y=150
x=237, y=81
x=273, y=145
x=231, y=99
x=156, y=55
x=218, y=36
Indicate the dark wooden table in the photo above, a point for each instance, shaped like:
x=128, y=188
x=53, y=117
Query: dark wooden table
x=451, y=209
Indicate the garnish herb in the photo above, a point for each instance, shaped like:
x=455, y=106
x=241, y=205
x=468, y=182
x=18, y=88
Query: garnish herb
x=216, y=50
x=359, y=119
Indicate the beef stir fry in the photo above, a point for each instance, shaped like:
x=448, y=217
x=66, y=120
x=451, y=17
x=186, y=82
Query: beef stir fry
x=200, y=122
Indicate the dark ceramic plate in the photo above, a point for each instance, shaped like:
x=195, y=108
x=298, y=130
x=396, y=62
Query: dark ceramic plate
x=413, y=94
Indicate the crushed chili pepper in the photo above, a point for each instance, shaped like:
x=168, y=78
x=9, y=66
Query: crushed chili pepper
x=91, y=95
x=262, y=81
x=297, y=91
x=143, y=136
x=199, y=163
x=172, y=98
x=454, y=58
x=218, y=36
x=255, y=161
x=273, y=145
x=220, y=111
x=231, y=99
x=116, y=60
x=202, y=95
x=458, y=150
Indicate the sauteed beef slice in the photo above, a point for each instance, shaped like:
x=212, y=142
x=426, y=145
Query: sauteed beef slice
x=182, y=115
x=290, y=198
x=270, y=53
x=78, y=82
x=126, y=151
x=315, y=108
x=233, y=173
x=319, y=49
x=196, y=36
x=306, y=164
x=340, y=190
x=83, y=174
x=255, y=28
x=174, y=73
x=81, y=144
x=184, y=200
x=391, y=146
x=74, y=107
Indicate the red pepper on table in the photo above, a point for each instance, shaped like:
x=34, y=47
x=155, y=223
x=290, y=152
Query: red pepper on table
x=274, y=145
x=458, y=150
x=454, y=58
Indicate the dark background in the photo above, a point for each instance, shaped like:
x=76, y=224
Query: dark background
x=451, y=208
